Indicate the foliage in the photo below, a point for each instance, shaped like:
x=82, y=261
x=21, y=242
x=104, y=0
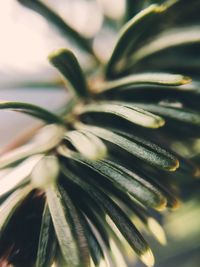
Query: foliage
x=69, y=195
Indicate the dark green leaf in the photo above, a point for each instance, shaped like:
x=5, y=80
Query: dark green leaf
x=100, y=224
x=77, y=227
x=116, y=246
x=47, y=242
x=138, y=147
x=65, y=61
x=88, y=207
x=152, y=91
x=125, y=181
x=138, y=182
x=96, y=250
x=118, y=216
x=32, y=110
x=175, y=38
x=63, y=227
x=131, y=114
x=145, y=217
x=180, y=114
x=129, y=35
x=146, y=26
x=144, y=78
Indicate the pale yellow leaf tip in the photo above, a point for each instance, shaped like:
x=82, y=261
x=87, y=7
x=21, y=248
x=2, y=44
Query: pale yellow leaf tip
x=148, y=258
x=175, y=166
x=57, y=53
x=197, y=173
x=186, y=80
x=162, y=205
x=165, y=6
x=176, y=205
x=157, y=231
x=153, y=122
x=159, y=123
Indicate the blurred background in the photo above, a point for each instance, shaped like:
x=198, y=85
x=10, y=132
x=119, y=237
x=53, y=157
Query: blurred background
x=26, y=41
